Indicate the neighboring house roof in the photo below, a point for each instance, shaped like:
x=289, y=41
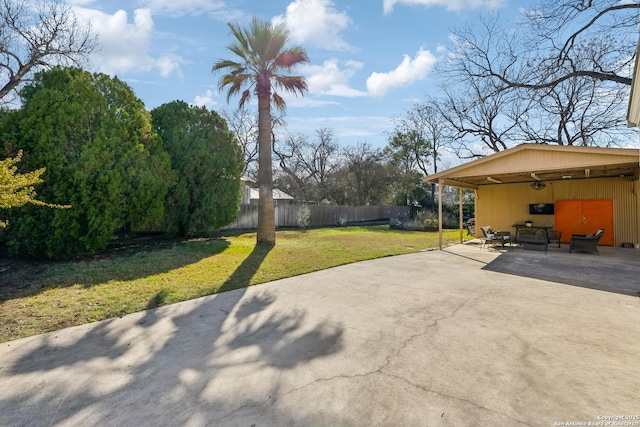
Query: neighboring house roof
x=277, y=195
x=538, y=162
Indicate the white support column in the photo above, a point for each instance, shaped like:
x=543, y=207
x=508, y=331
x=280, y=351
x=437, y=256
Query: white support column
x=460, y=214
x=440, y=187
x=637, y=194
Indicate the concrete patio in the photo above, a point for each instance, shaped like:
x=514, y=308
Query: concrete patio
x=613, y=270
x=464, y=336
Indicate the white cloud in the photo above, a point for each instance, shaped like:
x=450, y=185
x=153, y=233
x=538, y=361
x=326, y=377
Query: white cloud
x=167, y=65
x=317, y=23
x=409, y=71
x=306, y=102
x=184, y=7
x=329, y=79
x=124, y=46
x=349, y=130
x=205, y=100
x=449, y=4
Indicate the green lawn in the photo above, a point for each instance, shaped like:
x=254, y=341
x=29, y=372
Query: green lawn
x=37, y=298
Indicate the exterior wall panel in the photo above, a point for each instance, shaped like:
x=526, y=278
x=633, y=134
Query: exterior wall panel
x=503, y=205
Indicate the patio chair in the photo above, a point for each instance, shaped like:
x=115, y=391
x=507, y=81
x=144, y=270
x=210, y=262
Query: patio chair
x=486, y=228
x=554, y=236
x=500, y=237
x=585, y=242
x=471, y=227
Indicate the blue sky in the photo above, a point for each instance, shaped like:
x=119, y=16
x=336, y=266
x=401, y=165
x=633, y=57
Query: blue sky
x=370, y=59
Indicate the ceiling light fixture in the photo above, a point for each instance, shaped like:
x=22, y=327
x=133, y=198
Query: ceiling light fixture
x=538, y=185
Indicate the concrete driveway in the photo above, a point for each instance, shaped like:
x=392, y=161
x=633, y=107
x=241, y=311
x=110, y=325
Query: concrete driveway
x=435, y=338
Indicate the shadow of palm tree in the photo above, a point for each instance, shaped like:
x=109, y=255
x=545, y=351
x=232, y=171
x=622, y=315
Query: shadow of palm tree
x=108, y=344
x=241, y=277
x=30, y=278
x=187, y=352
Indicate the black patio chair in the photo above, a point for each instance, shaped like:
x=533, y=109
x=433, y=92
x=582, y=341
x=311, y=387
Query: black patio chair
x=554, y=236
x=585, y=242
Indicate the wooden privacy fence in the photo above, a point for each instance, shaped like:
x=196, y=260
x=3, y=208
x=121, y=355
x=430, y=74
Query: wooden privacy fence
x=321, y=215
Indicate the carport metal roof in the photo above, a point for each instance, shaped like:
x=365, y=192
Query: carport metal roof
x=538, y=162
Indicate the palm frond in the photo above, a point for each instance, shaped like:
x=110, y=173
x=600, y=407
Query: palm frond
x=240, y=37
x=246, y=95
x=276, y=44
x=278, y=101
x=225, y=63
x=294, y=84
x=291, y=58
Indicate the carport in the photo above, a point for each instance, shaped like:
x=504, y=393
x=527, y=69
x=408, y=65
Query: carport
x=566, y=180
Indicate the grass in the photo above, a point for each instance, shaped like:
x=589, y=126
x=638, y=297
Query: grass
x=43, y=297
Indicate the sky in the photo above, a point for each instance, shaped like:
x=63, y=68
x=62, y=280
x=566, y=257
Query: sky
x=370, y=60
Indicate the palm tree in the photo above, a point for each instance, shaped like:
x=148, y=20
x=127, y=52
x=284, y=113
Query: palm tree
x=262, y=57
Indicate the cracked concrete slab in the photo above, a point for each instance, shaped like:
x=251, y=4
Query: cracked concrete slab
x=434, y=338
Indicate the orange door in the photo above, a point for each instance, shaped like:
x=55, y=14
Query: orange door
x=568, y=218
x=584, y=217
x=598, y=214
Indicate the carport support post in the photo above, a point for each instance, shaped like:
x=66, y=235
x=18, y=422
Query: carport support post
x=440, y=186
x=460, y=214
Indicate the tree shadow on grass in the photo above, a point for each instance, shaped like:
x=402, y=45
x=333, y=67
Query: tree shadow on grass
x=202, y=360
x=241, y=277
x=104, y=342
x=24, y=279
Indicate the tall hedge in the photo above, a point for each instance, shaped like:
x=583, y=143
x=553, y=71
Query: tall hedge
x=208, y=165
x=101, y=155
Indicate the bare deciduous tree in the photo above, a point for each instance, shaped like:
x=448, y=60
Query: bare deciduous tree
x=309, y=164
x=36, y=34
x=410, y=143
x=548, y=51
x=244, y=125
x=504, y=87
x=416, y=144
x=578, y=111
x=366, y=175
x=561, y=29
x=290, y=157
x=479, y=120
x=478, y=109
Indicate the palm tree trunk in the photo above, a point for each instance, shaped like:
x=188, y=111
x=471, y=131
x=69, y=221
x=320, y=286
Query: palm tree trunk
x=266, y=211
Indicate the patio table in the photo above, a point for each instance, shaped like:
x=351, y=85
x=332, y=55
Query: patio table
x=532, y=236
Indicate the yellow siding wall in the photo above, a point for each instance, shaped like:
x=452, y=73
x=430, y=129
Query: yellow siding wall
x=503, y=205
